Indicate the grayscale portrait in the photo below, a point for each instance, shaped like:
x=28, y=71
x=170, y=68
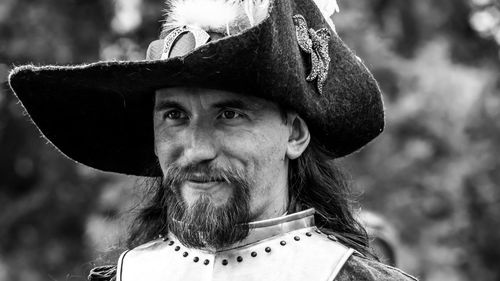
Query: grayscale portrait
x=249, y=140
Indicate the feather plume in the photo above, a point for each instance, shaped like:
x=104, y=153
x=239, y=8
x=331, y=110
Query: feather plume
x=228, y=17
x=328, y=8
x=220, y=16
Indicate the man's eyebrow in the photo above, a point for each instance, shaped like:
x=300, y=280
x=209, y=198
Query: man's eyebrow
x=164, y=104
x=238, y=104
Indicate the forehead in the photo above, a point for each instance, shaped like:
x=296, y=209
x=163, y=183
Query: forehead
x=210, y=97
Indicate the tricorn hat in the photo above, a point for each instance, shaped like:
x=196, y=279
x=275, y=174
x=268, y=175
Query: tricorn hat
x=100, y=114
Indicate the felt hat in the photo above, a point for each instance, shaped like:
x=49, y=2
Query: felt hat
x=100, y=114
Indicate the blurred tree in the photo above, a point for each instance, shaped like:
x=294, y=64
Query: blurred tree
x=481, y=192
x=427, y=173
x=421, y=21
x=44, y=198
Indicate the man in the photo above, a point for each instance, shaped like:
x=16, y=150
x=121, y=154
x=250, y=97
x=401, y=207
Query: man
x=237, y=111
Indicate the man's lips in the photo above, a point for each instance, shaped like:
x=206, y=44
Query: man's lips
x=203, y=183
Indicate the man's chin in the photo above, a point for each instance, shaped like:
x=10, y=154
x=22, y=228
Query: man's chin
x=206, y=226
x=209, y=215
x=205, y=221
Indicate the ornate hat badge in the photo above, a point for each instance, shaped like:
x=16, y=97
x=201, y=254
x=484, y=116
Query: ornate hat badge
x=314, y=43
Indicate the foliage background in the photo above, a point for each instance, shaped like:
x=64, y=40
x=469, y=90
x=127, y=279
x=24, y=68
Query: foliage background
x=434, y=173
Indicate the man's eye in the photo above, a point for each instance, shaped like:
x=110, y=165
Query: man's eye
x=230, y=114
x=175, y=115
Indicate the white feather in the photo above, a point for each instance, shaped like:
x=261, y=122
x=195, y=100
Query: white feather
x=328, y=8
x=230, y=16
x=221, y=16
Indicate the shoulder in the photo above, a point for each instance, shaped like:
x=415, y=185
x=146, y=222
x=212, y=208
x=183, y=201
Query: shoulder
x=113, y=272
x=360, y=268
x=103, y=273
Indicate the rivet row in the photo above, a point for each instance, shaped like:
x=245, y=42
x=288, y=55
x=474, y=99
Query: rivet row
x=185, y=254
x=239, y=258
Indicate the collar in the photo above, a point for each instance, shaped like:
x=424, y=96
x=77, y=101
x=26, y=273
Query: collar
x=267, y=229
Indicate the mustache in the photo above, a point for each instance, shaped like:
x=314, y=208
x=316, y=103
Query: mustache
x=175, y=175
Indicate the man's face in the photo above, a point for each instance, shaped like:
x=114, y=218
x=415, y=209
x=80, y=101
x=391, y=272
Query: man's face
x=204, y=131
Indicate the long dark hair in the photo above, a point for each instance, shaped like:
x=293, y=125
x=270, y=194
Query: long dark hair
x=152, y=217
x=314, y=182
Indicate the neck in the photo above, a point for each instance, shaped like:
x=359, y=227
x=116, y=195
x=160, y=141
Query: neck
x=274, y=205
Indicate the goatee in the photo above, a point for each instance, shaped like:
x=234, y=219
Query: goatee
x=203, y=224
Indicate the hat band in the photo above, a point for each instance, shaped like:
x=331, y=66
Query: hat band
x=200, y=36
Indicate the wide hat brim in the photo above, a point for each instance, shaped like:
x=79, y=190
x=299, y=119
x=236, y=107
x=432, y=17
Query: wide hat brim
x=100, y=114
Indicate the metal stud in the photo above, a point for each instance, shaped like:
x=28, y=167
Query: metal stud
x=282, y=243
x=253, y=254
x=308, y=234
x=165, y=239
x=185, y=254
x=177, y=248
x=297, y=238
x=268, y=249
x=196, y=259
x=239, y=259
x=224, y=262
x=206, y=262
x=332, y=237
x=171, y=243
x=160, y=235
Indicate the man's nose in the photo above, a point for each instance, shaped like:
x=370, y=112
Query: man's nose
x=200, y=145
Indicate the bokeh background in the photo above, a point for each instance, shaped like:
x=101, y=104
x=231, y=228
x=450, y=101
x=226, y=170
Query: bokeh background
x=434, y=174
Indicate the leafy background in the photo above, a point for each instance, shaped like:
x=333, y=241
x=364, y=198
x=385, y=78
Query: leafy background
x=434, y=174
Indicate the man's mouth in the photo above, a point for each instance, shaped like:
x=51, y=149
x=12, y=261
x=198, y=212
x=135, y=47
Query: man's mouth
x=201, y=178
x=204, y=182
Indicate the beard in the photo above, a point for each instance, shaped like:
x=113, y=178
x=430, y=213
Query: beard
x=203, y=224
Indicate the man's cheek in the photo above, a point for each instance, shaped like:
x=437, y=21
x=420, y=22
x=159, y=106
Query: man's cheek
x=167, y=151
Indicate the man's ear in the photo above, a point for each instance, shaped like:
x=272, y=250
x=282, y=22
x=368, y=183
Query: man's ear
x=299, y=136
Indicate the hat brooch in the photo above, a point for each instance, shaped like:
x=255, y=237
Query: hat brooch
x=314, y=43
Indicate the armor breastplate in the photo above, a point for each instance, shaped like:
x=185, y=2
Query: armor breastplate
x=287, y=248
